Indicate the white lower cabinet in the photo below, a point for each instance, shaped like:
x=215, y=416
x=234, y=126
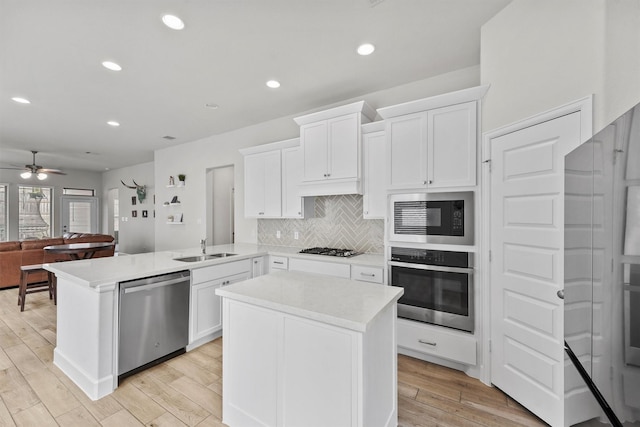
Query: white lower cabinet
x=257, y=266
x=278, y=263
x=367, y=274
x=205, y=315
x=437, y=341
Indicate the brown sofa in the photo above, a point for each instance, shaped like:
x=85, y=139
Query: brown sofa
x=15, y=254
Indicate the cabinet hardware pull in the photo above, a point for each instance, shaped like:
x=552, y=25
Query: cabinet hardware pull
x=255, y=262
x=424, y=182
x=368, y=274
x=278, y=262
x=299, y=213
x=433, y=344
x=430, y=181
x=560, y=294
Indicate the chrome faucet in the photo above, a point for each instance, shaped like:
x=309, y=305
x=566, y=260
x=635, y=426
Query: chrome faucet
x=203, y=246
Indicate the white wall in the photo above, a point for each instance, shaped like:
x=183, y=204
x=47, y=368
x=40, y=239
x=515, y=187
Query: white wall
x=193, y=159
x=540, y=54
x=72, y=179
x=136, y=235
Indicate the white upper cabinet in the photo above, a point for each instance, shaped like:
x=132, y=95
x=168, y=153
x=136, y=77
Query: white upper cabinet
x=432, y=142
x=262, y=185
x=451, y=146
x=272, y=177
x=407, y=151
x=374, y=199
x=331, y=150
x=294, y=206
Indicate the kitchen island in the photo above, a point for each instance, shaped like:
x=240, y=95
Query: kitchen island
x=307, y=349
x=88, y=303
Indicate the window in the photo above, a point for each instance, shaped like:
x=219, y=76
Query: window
x=34, y=212
x=78, y=192
x=3, y=213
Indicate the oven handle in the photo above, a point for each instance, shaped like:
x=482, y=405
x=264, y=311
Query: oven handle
x=431, y=267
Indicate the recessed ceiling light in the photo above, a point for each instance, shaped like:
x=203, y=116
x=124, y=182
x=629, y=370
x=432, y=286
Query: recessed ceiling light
x=212, y=106
x=273, y=84
x=21, y=100
x=112, y=123
x=109, y=65
x=173, y=22
x=366, y=49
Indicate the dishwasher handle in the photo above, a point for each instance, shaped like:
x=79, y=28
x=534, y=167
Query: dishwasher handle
x=155, y=285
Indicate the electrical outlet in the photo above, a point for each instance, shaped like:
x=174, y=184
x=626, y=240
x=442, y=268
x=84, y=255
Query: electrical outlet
x=296, y=235
x=278, y=234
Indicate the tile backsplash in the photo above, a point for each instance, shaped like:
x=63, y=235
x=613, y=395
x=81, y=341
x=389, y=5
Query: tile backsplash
x=338, y=223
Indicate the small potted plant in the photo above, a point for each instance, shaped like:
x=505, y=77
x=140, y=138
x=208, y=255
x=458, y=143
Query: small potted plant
x=181, y=178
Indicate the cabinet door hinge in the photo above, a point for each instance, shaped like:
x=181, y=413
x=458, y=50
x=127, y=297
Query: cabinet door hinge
x=488, y=162
x=489, y=256
x=489, y=346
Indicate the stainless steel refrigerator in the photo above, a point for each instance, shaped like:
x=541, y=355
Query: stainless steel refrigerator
x=602, y=277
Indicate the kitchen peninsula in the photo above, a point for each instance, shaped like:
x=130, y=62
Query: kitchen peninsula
x=306, y=349
x=87, y=345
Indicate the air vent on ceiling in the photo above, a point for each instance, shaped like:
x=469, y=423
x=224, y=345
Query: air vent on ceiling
x=169, y=137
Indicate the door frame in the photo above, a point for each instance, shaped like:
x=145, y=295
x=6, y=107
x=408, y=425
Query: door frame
x=582, y=105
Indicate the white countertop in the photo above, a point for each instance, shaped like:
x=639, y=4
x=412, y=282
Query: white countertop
x=340, y=302
x=105, y=270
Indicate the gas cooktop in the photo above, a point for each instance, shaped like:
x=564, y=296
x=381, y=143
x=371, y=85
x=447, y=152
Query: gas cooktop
x=330, y=252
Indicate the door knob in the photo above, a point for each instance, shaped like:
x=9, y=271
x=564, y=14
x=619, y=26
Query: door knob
x=560, y=294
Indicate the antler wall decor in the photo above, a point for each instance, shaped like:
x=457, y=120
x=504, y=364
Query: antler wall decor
x=140, y=189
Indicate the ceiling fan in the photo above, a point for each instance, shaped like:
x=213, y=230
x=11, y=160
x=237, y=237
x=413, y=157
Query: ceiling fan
x=37, y=170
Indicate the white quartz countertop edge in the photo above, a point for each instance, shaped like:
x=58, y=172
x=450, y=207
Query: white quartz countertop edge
x=340, y=302
x=108, y=270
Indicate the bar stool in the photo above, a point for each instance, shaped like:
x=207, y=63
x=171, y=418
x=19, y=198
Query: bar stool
x=29, y=288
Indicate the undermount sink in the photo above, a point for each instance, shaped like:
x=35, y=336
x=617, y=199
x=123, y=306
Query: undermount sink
x=197, y=258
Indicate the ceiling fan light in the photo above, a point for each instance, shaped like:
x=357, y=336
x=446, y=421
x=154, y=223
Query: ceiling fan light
x=173, y=22
x=41, y=176
x=25, y=175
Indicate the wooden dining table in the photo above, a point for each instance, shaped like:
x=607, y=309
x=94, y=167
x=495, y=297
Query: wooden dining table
x=79, y=250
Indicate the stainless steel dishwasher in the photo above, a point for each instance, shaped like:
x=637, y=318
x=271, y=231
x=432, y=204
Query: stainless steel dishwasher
x=153, y=321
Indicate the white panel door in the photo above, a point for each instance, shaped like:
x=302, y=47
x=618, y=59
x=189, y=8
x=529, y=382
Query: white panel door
x=79, y=214
x=527, y=267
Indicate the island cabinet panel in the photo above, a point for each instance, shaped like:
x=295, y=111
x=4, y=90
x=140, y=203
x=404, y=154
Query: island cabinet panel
x=306, y=346
x=250, y=350
x=286, y=370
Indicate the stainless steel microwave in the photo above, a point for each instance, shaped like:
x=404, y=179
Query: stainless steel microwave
x=445, y=218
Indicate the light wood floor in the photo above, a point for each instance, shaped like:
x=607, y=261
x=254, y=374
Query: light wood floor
x=187, y=390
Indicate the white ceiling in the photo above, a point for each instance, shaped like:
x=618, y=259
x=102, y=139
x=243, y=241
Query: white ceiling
x=51, y=53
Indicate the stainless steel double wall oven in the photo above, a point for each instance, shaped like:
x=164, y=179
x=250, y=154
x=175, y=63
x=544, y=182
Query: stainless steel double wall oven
x=438, y=284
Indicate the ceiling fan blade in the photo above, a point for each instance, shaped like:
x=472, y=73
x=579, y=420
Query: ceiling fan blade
x=53, y=171
x=16, y=169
